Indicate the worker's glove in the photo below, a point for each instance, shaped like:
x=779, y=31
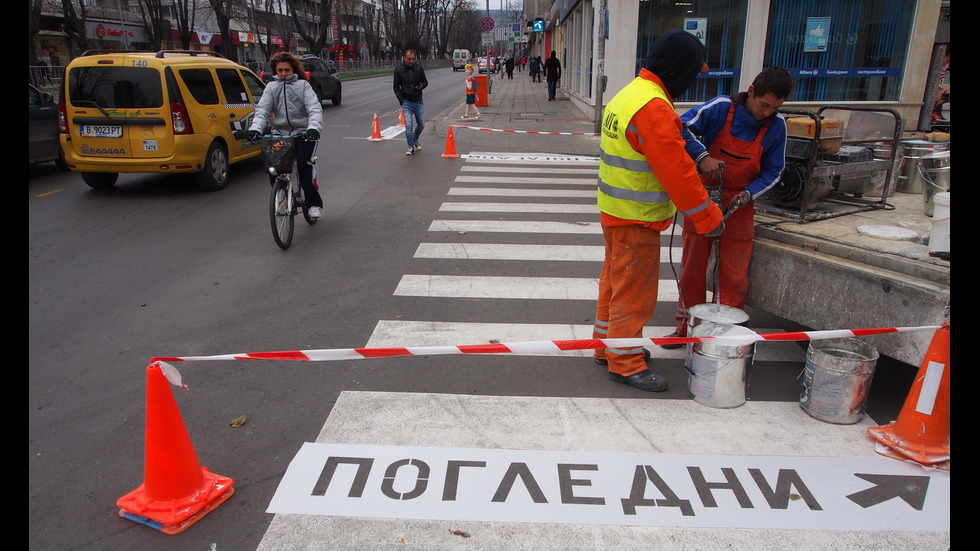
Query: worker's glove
x=313, y=134
x=717, y=231
x=254, y=135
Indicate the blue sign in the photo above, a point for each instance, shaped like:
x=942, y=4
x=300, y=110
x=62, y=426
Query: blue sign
x=537, y=26
x=486, y=24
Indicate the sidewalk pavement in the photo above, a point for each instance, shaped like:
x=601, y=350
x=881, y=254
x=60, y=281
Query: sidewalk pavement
x=521, y=105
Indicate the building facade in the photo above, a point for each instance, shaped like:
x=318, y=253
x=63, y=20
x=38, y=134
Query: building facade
x=880, y=53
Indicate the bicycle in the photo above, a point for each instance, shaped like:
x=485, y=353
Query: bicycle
x=287, y=196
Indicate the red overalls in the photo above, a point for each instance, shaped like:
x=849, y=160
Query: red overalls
x=741, y=160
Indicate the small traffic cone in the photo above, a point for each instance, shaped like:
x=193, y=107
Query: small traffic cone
x=450, y=145
x=921, y=432
x=376, y=130
x=401, y=118
x=176, y=491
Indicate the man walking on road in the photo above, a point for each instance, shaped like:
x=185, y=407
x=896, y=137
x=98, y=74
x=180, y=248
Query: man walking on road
x=552, y=73
x=645, y=176
x=409, y=82
x=744, y=134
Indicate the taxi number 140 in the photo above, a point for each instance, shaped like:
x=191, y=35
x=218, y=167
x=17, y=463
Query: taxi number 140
x=97, y=131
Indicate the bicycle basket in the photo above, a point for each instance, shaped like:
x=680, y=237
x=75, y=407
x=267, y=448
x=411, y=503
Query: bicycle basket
x=279, y=152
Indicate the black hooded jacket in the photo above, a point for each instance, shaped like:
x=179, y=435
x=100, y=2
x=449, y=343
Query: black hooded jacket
x=677, y=57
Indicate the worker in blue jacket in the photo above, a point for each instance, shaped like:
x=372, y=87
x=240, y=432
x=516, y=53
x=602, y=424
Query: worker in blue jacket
x=745, y=134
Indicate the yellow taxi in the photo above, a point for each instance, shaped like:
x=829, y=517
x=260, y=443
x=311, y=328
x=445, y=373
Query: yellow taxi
x=157, y=112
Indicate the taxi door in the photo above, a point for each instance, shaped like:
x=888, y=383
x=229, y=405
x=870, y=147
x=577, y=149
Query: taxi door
x=238, y=108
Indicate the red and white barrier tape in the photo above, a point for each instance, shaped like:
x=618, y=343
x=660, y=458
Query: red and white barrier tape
x=527, y=131
x=533, y=346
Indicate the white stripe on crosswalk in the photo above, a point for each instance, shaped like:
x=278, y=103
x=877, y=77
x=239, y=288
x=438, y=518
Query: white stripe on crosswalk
x=519, y=192
x=496, y=179
x=515, y=226
x=399, y=333
x=520, y=207
x=505, y=287
x=495, y=251
x=524, y=170
x=524, y=226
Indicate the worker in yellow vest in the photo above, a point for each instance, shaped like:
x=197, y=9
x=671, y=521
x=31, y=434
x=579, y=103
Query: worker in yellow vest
x=645, y=176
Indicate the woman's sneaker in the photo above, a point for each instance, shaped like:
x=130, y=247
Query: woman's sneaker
x=314, y=212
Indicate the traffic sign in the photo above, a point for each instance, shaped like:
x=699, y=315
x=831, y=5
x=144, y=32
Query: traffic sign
x=487, y=24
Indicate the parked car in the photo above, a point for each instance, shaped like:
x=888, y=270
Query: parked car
x=157, y=112
x=484, y=62
x=44, y=137
x=325, y=83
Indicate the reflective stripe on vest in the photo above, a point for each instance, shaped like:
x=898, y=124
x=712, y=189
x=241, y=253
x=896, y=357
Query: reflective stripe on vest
x=627, y=186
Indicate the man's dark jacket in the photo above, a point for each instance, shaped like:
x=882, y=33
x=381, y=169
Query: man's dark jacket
x=406, y=80
x=552, y=69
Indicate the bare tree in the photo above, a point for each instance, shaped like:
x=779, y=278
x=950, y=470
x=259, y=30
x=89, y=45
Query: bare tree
x=154, y=15
x=321, y=12
x=74, y=24
x=410, y=24
x=222, y=12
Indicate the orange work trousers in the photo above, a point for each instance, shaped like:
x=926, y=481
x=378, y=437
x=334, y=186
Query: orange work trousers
x=734, y=254
x=628, y=287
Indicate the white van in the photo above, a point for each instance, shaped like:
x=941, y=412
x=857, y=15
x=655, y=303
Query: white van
x=460, y=59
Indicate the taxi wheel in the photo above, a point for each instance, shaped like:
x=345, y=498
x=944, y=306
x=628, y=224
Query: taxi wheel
x=100, y=180
x=215, y=173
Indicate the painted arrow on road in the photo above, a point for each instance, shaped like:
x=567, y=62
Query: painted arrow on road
x=912, y=490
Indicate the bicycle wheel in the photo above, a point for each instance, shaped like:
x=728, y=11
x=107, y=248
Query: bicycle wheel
x=280, y=213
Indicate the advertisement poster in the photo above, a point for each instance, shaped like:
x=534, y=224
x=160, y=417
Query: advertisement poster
x=817, y=31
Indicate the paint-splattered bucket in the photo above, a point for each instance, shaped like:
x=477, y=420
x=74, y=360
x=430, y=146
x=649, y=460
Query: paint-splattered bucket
x=836, y=379
x=719, y=367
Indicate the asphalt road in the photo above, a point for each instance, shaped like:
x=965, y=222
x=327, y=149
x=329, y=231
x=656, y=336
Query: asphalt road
x=154, y=267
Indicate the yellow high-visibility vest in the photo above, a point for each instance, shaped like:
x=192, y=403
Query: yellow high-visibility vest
x=628, y=188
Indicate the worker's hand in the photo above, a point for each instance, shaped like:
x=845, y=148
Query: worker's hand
x=741, y=199
x=717, y=231
x=709, y=167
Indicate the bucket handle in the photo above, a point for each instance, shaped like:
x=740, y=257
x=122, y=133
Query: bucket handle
x=726, y=366
x=926, y=178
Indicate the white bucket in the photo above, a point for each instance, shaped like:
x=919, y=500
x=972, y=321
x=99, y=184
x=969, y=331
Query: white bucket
x=836, y=379
x=719, y=367
x=714, y=313
x=939, y=231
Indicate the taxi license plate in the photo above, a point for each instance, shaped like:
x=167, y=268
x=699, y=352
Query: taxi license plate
x=99, y=131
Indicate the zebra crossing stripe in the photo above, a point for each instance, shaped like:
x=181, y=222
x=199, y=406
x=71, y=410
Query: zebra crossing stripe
x=523, y=226
x=523, y=169
x=500, y=251
x=509, y=192
x=496, y=179
x=393, y=333
x=520, y=207
x=512, y=287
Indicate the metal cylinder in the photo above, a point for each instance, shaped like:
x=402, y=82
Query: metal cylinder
x=836, y=380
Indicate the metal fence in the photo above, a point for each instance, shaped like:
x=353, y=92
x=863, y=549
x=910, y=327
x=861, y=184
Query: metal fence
x=47, y=78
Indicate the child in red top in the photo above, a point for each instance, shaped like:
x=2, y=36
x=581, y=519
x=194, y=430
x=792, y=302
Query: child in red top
x=470, y=92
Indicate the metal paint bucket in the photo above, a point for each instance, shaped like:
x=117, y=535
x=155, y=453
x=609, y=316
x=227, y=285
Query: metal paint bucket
x=836, y=379
x=714, y=313
x=912, y=150
x=719, y=367
x=934, y=172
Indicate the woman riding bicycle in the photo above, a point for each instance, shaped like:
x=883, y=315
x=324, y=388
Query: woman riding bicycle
x=291, y=105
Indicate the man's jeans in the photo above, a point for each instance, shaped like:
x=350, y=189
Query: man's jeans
x=552, y=88
x=414, y=117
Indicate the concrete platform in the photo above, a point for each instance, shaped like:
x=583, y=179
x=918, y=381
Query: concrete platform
x=655, y=428
x=826, y=274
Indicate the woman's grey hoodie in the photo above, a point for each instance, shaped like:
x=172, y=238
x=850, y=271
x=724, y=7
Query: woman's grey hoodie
x=290, y=105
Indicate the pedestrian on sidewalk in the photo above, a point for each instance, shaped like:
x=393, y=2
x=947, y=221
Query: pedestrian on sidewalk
x=745, y=134
x=645, y=177
x=533, y=67
x=408, y=85
x=552, y=73
x=510, y=67
x=470, y=92
x=523, y=63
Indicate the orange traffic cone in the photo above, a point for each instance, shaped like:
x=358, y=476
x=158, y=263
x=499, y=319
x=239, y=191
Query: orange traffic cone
x=450, y=145
x=921, y=432
x=176, y=491
x=401, y=118
x=376, y=130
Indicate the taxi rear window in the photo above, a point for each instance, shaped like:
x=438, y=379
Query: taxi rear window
x=201, y=85
x=115, y=87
